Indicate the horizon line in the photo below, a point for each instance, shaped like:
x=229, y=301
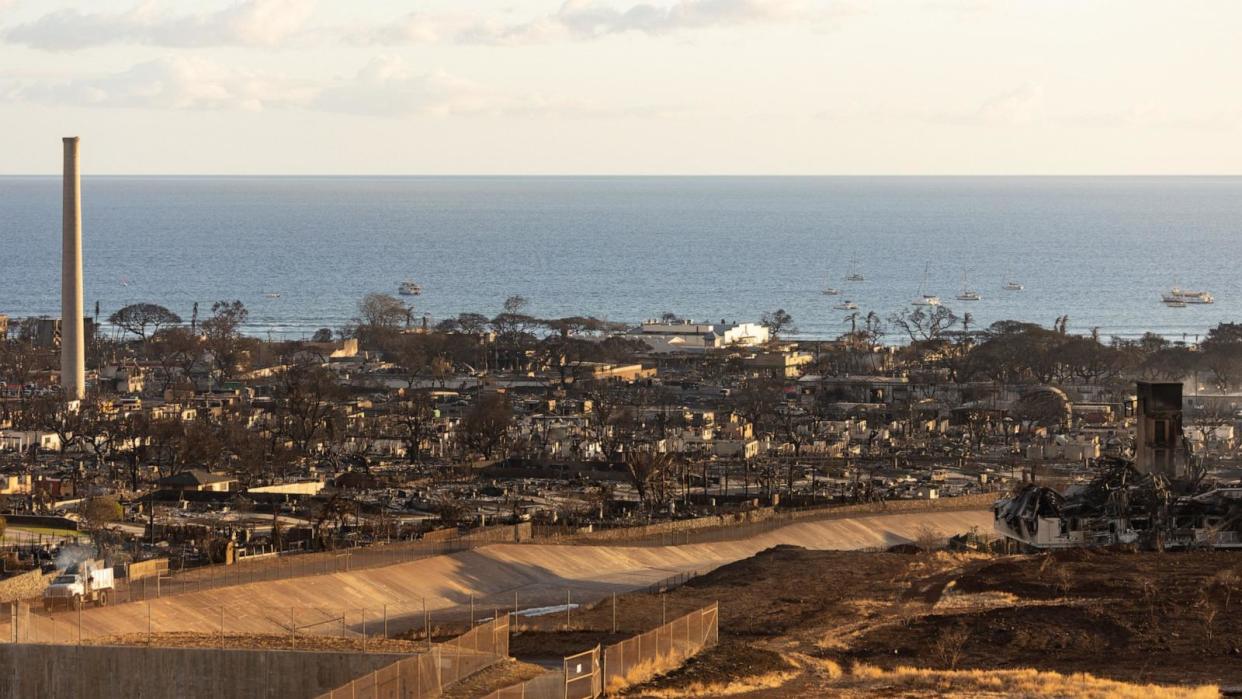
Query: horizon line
x=649, y=175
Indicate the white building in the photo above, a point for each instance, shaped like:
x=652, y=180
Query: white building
x=688, y=336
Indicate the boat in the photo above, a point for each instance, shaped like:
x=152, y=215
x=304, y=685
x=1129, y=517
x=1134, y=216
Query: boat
x=1174, y=303
x=1186, y=296
x=831, y=291
x=846, y=306
x=968, y=294
x=271, y=294
x=854, y=275
x=409, y=288
x=1013, y=286
x=925, y=299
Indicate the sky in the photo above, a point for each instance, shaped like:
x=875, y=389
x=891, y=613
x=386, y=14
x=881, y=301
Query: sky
x=623, y=87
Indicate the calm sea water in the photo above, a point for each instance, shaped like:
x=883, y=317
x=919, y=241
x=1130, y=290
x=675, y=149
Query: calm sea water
x=1098, y=249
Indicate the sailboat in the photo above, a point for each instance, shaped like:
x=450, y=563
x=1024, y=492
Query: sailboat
x=925, y=299
x=968, y=294
x=854, y=275
x=831, y=291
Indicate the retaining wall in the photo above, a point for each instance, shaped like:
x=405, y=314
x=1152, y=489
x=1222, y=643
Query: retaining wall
x=761, y=515
x=108, y=672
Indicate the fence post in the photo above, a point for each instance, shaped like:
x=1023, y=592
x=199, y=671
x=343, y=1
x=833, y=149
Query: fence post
x=222, y=626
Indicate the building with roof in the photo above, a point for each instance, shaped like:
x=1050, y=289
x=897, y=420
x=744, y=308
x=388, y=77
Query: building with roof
x=196, y=479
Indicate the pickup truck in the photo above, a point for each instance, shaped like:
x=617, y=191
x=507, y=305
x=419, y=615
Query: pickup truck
x=91, y=582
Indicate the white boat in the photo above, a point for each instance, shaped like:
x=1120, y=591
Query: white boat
x=925, y=299
x=1012, y=286
x=846, y=306
x=831, y=291
x=409, y=288
x=1174, y=303
x=854, y=275
x=968, y=294
x=271, y=294
x=1185, y=296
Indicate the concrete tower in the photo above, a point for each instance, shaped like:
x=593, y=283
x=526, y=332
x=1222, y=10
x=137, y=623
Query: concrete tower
x=72, y=334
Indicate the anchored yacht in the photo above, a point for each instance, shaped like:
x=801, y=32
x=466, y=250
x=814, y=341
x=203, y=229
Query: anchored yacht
x=1185, y=296
x=967, y=293
x=925, y=299
x=409, y=288
x=854, y=275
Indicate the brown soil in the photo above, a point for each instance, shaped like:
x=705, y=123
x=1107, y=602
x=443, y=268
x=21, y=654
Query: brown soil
x=1133, y=617
x=536, y=644
x=493, y=678
x=260, y=641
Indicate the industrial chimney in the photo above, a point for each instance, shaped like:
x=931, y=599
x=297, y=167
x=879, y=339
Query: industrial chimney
x=72, y=334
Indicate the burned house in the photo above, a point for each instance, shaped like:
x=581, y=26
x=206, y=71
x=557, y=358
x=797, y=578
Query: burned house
x=1155, y=501
x=1122, y=506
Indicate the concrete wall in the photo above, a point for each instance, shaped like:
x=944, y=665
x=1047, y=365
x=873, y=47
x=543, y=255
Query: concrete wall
x=108, y=672
x=767, y=515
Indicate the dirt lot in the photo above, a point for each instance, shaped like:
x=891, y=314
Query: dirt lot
x=796, y=622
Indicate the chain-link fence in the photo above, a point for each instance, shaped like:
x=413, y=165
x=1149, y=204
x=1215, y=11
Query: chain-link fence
x=590, y=673
x=162, y=622
x=425, y=675
x=663, y=648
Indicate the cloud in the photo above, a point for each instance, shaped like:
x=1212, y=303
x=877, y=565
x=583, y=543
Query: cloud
x=587, y=19
x=387, y=86
x=166, y=83
x=384, y=87
x=1024, y=105
x=275, y=22
x=248, y=23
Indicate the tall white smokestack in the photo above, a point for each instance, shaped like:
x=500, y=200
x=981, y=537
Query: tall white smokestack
x=72, y=334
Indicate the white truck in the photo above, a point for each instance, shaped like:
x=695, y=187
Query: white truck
x=91, y=581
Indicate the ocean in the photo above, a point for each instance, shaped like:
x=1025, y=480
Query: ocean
x=1100, y=250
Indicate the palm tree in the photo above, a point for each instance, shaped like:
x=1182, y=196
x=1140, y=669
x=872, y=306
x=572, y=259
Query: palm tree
x=852, y=319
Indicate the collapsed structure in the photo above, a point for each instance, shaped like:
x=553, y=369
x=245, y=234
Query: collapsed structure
x=1155, y=501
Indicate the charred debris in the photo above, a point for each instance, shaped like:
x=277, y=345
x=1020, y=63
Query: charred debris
x=1158, y=500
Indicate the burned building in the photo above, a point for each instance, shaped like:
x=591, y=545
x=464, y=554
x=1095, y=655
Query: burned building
x=1158, y=445
x=1157, y=500
x=1123, y=505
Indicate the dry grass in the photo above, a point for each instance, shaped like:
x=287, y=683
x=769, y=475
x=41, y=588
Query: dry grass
x=975, y=600
x=645, y=671
x=1019, y=683
x=771, y=680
